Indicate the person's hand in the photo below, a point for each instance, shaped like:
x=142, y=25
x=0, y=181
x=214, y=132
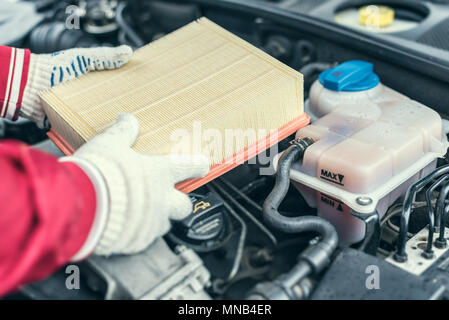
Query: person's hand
x=48, y=70
x=140, y=193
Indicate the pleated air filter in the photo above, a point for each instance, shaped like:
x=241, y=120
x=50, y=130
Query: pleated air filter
x=199, y=89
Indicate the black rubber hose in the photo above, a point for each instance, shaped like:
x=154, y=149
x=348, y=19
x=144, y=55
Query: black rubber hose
x=401, y=255
x=296, y=274
x=318, y=255
x=428, y=253
x=285, y=287
x=312, y=68
x=440, y=242
x=126, y=28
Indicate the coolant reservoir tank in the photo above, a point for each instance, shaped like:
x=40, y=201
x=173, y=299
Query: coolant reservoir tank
x=372, y=143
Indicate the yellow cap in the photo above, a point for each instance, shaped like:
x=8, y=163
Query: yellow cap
x=376, y=16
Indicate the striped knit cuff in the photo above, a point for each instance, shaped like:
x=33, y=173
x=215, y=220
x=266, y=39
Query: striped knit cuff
x=118, y=202
x=102, y=207
x=39, y=81
x=14, y=71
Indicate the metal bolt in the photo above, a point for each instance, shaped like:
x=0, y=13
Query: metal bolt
x=364, y=201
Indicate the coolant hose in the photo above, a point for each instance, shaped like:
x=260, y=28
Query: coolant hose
x=318, y=255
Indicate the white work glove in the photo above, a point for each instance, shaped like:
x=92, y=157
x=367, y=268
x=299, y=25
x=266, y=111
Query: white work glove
x=140, y=189
x=48, y=70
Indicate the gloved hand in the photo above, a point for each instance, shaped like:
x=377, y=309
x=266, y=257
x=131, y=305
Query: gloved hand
x=48, y=70
x=137, y=189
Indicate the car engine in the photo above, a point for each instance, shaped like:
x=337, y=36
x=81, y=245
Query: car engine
x=372, y=163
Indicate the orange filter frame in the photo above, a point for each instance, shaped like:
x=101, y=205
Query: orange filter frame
x=219, y=169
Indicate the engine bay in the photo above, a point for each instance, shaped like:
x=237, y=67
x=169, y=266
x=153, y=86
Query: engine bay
x=372, y=163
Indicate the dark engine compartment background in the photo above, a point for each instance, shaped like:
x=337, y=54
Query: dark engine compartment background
x=303, y=35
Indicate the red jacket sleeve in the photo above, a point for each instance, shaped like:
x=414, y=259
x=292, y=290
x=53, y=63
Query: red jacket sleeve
x=47, y=209
x=14, y=65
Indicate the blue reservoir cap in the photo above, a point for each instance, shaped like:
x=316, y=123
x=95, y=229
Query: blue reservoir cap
x=354, y=75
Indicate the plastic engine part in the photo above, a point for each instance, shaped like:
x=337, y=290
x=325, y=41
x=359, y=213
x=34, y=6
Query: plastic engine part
x=370, y=146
